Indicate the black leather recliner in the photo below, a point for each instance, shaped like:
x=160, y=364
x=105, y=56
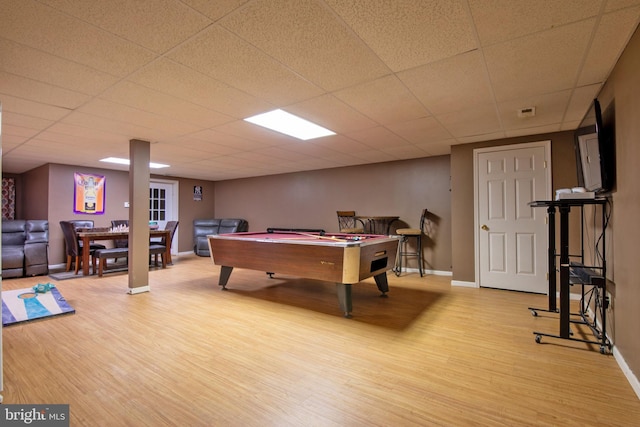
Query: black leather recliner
x=25, y=248
x=203, y=227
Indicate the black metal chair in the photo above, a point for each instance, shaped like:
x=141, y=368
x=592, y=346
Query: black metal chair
x=405, y=235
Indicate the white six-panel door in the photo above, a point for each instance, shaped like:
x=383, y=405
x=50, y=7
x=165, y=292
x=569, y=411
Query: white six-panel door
x=163, y=205
x=511, y=236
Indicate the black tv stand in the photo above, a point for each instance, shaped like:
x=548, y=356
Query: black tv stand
x=591, y=279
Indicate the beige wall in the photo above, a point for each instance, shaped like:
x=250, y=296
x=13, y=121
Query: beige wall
x=623, y=86
x=623, y=232
x=59, y=181
x=311, y=199
x=564, y=175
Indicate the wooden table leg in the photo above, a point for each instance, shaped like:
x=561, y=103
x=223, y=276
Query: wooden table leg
x=86, y=253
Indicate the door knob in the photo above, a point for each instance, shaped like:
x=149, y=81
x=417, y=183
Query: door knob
x=484, y=227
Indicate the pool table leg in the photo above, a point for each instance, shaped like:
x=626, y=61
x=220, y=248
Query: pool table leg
x=383, y=284
x=225, y=273
x=344, y=298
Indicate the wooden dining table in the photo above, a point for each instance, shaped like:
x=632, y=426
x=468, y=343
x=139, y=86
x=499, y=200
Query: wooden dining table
x=88, y=236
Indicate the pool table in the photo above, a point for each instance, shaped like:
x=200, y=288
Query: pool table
x=345, y=259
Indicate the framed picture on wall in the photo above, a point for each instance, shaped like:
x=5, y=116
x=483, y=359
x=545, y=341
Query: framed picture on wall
x=88, y=193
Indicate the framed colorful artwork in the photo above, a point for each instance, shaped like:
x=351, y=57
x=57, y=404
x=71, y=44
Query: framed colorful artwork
x=88, y=193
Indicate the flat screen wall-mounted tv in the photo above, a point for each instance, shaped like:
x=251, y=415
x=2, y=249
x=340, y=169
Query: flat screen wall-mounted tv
x=595, y=145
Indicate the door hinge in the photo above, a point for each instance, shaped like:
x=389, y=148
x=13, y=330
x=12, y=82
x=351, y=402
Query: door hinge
x=544, y=164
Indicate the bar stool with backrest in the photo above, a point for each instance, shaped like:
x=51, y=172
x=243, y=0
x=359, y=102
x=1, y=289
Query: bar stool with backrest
x=348, y=223
x=405, y=235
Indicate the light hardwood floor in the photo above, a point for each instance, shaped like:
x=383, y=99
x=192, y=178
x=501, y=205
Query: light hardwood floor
x=277, y=352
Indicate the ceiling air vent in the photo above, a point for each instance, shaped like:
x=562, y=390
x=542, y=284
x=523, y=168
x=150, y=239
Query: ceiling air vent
x=527, y=112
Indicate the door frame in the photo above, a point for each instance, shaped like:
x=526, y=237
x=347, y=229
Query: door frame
x=175, y=209
x=546, y=144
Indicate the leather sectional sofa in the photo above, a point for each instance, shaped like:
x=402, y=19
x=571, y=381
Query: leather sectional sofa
x=203, y=227
x=25, y=248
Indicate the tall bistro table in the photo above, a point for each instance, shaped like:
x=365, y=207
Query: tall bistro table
x=378, y=224
x=88, y=236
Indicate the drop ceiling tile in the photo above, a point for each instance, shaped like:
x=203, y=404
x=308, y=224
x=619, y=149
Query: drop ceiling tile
x=11, y=141
x=439, y=148
x=611, y=37
x=21, y=120
x=17, y=131
x=612, y=5
x=155, y=24
x=283, y=152
x=185, y=83
x=246, y=130
x=540, y=63
x=32, y=109
x=82, y=136
x=125, y=114
x=41, y=27
x=331, y=113
x=453, y=84
x=421, y=130
x=581, y=101
x=385, y=100
x=340, y=144
x=377, y=137
x=407, y=152
x=482, y=120
x=498, y=21
x=375, y=156
x=235, y=142
x=43, y=93
x=126, y=131
x=37, y=65
x=550, y=110
x=409, y=33
x=309, y=149
x=215, y=9
x=479, y=138
x=276, y=83
x=146, y=99
x=173, y=154
x=203, y=144
x=256, y=159
x=308, y=38
x=510, y=133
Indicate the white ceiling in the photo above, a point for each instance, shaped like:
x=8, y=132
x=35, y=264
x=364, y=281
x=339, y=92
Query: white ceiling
x=394, y=79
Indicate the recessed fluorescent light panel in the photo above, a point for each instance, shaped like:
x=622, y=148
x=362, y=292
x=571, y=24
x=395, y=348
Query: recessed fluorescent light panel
x=126, y=162
x=291, y=125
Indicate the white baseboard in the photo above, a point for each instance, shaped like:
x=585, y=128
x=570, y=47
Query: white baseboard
x=426, y=272
x=633, y=380
x=139, y=290
x=464, y=284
